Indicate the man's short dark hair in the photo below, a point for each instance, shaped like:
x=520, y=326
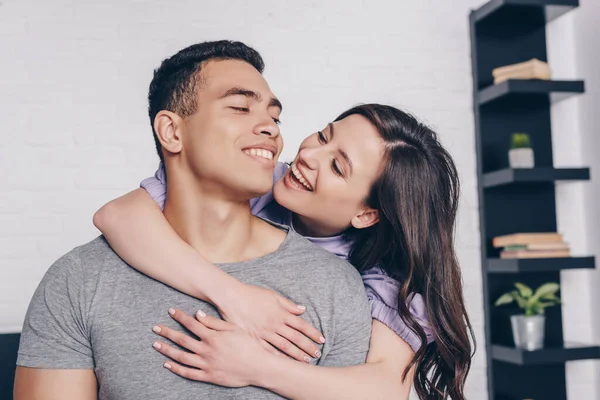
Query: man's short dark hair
x=175, y=83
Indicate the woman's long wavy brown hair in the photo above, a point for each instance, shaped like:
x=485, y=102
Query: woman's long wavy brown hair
x=417, y=197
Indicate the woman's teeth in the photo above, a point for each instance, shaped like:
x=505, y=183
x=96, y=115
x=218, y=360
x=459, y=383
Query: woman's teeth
x=300, y=178
x=259, y=153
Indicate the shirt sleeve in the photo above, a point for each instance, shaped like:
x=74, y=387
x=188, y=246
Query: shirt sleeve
x=382, y=292
x=156, y=186
x=55, y=333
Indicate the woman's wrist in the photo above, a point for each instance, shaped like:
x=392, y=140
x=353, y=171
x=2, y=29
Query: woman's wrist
x=224, y=291
x=267, y=375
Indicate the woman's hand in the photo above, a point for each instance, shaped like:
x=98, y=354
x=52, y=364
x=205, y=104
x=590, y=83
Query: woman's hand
x=266, y=315
x=224, y=355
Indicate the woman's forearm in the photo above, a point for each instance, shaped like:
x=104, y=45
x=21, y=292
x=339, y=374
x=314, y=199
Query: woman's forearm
x=299, y=381
x=138, y=231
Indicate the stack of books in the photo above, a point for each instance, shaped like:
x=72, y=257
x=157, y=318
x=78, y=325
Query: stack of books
x=532, y=69
x=532, y=245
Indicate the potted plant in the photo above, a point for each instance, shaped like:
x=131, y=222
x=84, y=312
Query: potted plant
x=528, y=328
x=520, y=154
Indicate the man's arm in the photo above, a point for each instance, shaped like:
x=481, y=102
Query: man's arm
x=55, y=384
x=55, y=359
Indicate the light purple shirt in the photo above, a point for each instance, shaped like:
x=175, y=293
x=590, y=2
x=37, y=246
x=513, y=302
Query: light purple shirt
x=382, y=290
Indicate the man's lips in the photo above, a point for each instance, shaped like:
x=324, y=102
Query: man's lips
x=262, y=152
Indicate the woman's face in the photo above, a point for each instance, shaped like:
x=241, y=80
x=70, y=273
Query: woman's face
x=331, y=176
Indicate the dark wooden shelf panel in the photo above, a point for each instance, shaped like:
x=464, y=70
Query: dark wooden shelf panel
x=542, y=174
x=557, y=90
x=550, y=355
x=506, y=8
x=500, y=266
x=9, y=344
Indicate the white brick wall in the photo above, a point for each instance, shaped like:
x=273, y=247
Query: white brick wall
x=75, y=132
x=573, y=54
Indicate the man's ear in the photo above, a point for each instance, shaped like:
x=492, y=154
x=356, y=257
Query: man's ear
x=167, y=126
x=365, y=218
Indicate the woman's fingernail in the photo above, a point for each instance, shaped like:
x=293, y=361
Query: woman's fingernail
x=167, y=365
x=156, y=345
x=307, y=359
x=322, y=339
x=317, y=354
x=156, y=329
x=172, y=311
x=201, y=313
x=301, y=307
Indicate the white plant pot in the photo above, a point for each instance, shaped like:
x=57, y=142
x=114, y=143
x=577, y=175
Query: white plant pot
x=528, y=332
x=521, y=158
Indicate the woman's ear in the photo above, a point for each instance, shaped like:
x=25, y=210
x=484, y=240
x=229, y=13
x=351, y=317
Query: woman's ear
x=365, y=218
x=167, y=126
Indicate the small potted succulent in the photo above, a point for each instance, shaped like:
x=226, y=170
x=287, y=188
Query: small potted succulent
x=520, y=154
x=528, y=328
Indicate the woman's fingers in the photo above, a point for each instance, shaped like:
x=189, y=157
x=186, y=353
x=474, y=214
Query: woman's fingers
x=291, y=306
x=190, y=323
x=303, y=326
x=287, y=347
x=213, y=323
x=301, y=341
x=270, y=348
x=189, y=373
x=183, y=357
x=180, y=338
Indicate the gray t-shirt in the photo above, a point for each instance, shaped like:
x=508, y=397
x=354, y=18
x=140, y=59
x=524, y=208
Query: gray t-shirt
x=91, y=310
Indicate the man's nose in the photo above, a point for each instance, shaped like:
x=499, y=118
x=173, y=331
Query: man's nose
x=267, y=126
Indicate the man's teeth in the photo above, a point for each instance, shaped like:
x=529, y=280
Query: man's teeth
x=260, y=153
x=299, y=176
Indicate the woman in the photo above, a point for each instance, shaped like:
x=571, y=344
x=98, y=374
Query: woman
x=393, y=219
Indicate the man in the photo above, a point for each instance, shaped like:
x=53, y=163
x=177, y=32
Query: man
x=88, y=333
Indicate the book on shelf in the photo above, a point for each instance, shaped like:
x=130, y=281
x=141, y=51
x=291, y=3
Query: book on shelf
x=532, y=69
x=526, y=239
x=538, y=246
x=535, y=254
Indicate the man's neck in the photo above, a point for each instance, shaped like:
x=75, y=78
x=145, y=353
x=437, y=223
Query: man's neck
x=219, y=229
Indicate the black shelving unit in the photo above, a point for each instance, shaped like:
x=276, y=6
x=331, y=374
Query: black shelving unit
x=548, y=355
x=529, y=265
x=505, y=32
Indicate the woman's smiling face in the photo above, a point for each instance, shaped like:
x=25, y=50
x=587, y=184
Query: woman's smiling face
x=331, y=176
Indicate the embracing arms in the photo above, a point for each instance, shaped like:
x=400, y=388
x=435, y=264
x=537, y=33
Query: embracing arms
x=229, y=357
x=137, y=230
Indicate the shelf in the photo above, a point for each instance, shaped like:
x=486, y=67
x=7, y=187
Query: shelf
x=522, y=175
x=557, y=90
x=505, y=9
x=501, y=266
x=550, y=355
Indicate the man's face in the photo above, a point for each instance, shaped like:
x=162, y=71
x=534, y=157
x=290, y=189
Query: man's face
x=232, y=142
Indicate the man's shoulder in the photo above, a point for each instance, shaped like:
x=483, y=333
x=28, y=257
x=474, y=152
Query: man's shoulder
x=87, y=259
x=319, y=259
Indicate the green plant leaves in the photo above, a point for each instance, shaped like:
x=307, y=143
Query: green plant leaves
x=520, y=141
x=533, y=304
x=506, y=298
x=524, y=290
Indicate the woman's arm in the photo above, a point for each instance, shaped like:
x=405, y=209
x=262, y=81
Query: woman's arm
x=138, y=231
x=379, y=378
x=228, y=357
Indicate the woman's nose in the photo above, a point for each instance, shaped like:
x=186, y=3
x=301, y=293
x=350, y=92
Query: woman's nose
x=309, y=156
